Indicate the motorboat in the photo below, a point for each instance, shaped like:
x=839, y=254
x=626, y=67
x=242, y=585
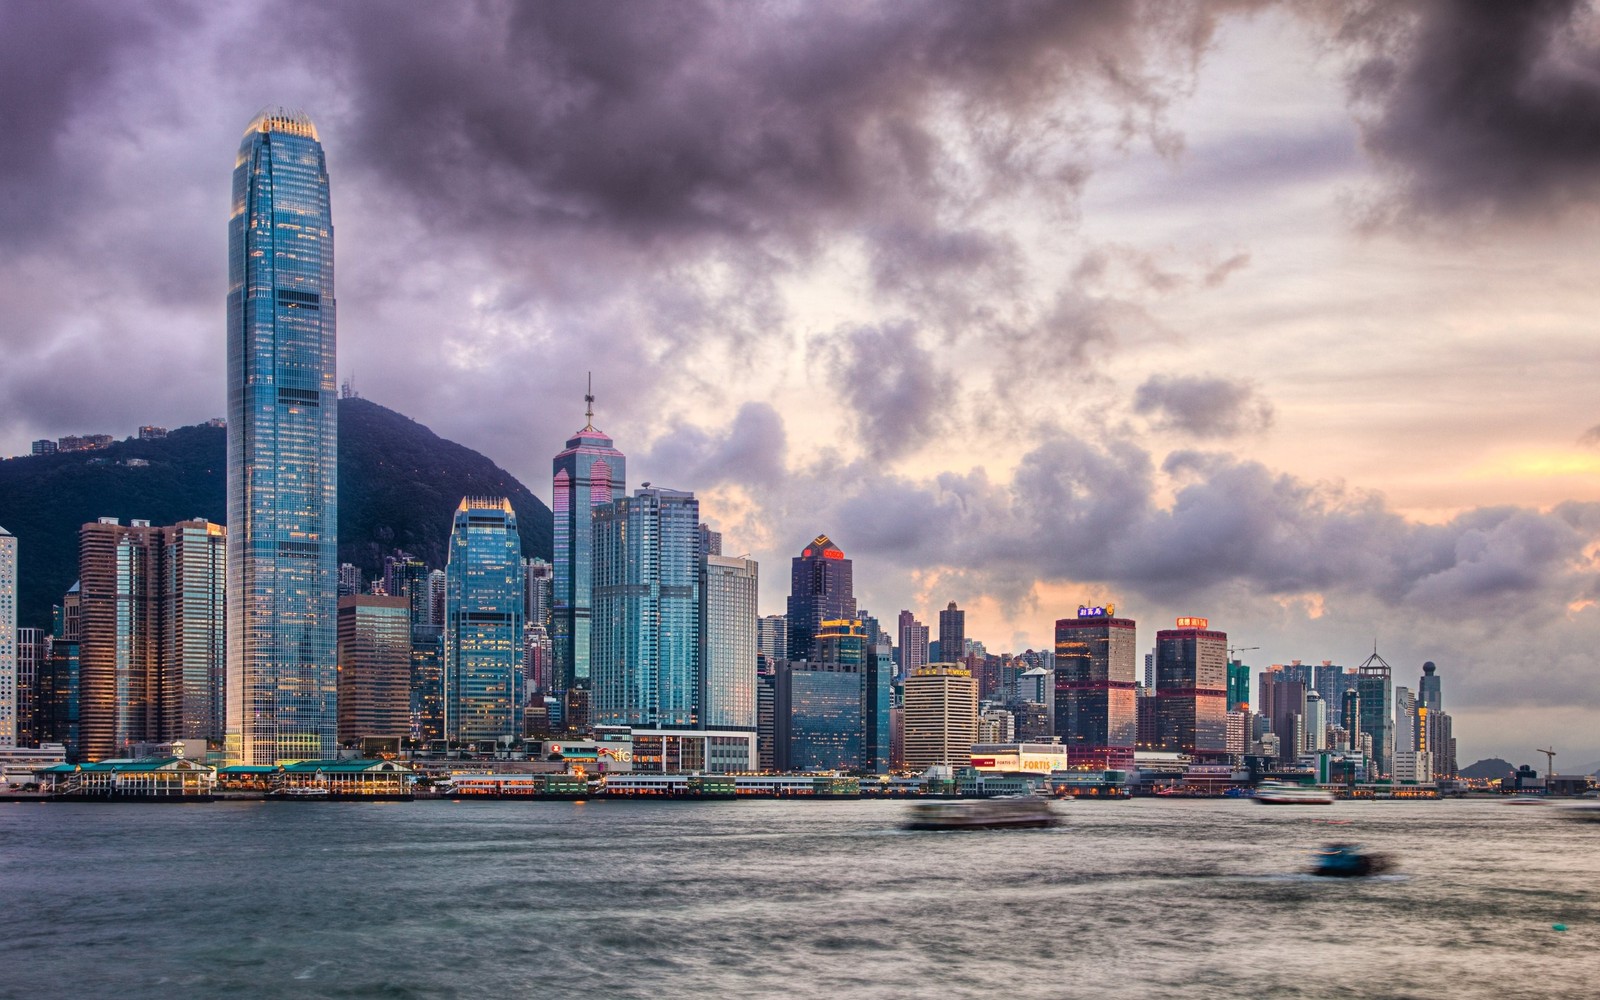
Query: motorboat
x=1528, y=800
x=1287, y=793
x=1341, y=860
x=1020, y=811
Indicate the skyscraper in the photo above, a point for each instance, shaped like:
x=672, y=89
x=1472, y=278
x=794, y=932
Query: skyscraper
x=1095, y=711
x=728, y=593
x=33, y=665
x=772, y=637
x=282, y=449
x=912, y=643
x=374, y=668
x=1374, y=685
x=483, y=622
x=941, y=716
x=1192, y=689
x=588, y=474
x=537, y=589
x=817, y=721
x=820, y=589
x=8, y=639
x=645, y=647
x=952, y=634
x=1238, y=687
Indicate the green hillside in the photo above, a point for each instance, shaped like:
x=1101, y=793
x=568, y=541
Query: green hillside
x=399, y=484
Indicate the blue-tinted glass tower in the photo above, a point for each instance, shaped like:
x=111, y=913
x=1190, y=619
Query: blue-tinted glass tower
x=589, y=473
x=483, y=622
x=646, y=641
x=282, y=449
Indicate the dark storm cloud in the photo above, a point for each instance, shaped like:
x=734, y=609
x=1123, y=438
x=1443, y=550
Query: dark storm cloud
x=1481, y=108
x=1205, y=406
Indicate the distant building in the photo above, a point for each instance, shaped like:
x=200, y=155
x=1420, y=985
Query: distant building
x=427, y=683
x=821, y=588
x=33, y=662
x=710, y=541
x=538, y=589
x=1374, y=684
x=374, y=668
x=1316, y=727
x=538, y=660
x=953, y=634
x=644, y=657
x=1095, y=711
x=483, y=633
x=9, y=716
x=149, y=433
x=729, y=599
x=589, y=473
x=941, y=716
x=86, y=442
x=349, y=580
x=772, y=637
x=1238, y=687
x=817, y=721
x=44, y=446
x=1192, y=689
x=1281, y=700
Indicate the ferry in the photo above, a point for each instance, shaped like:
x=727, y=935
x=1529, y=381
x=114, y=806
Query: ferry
x=1022, y=811
x=1348, y=861
x=1285, y=793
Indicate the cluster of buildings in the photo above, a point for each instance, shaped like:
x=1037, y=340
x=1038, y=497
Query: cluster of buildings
x=98, y=442
x=641, y=640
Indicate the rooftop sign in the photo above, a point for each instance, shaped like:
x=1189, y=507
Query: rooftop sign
x=1194, y=623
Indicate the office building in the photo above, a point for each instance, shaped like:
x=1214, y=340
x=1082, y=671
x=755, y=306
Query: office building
x=941, y=716
x=1374, y=685
x=437, y=593
x=817, y=723
x=588, y=474
x=427, y=683
x=1282, y=702
x=953, y=635
x=1238, y=687
x=538, y=661
x=283, y=481
x=538, y=590
x=772, y=638
x=9, y=718
x=374, y=669
x=728, y=593
x=1350, y=719
x=1430, y=693
x=1191, y=689
x=1096, y=714
x=1316, y=725
x=151, y=611
x=1406, y=732
x=912, y=643
x=33, y=662
x=820, y=589
x=645, y=643
x=877, y=707
x=710, y=541
x=483, y=630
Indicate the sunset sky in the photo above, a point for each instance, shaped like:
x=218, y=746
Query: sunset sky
x=1278, y=314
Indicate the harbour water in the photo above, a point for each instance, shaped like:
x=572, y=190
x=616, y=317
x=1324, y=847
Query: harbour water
x=1145, y=898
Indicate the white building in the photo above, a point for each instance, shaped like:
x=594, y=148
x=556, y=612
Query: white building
x=728, y=594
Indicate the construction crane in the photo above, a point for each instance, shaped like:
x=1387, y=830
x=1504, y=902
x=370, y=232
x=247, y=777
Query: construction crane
x=1550, y=763
x=1240, y=649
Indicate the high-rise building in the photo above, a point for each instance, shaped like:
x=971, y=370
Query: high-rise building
x=820, y=589
x=1238, y=687
x=374, y=668
x=645, y=646
x=1430, y=694
x=911, y=643
x=1096, y=715
x=152, y=620
x=283, y=481
x=538, y=588
x=728, y=595
x=1350, y=719
x=1373, y=683
x=816, y=716
x=1282, y=702
x=710, y=541
x=483, y=630
x=941, y=716
x=8, y=639
x=33, y=663
x=1406, y=732
x=438, y=592
x=772, y=637
x=1434, y=724
x=1316, y=727
x=537, y=661
x=427, y=683
x=1192, y=689
x=877, y=707
x=953, y=634
x=588, y=474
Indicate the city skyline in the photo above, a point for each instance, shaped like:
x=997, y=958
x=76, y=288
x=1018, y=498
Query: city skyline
x=1270, y=352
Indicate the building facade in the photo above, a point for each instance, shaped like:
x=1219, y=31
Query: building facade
x=821, y=588
x=1096, y=715
x=483, y=623
x=374, y=668
x=941, y=716
x=9, y=714
x=729, y=589
x=645, y=645
x=283, y=482
x=912, y=643
x=1192, y=689
x=589, y=473
x=816, y=716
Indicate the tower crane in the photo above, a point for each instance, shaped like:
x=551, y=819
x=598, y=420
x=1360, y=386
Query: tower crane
x=1240, y=649
x=1550, y=762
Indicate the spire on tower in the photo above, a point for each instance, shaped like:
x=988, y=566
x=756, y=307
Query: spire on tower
x=588, y=398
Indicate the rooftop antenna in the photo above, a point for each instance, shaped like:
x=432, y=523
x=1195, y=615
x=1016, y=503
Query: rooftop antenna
x=588, y=398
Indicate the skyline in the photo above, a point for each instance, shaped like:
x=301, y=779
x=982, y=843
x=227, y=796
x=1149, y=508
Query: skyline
x=900, y=234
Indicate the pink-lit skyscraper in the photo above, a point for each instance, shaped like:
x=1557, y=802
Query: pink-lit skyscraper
x=590, y=472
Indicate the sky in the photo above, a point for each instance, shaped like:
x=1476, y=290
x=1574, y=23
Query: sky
x=1277, y=314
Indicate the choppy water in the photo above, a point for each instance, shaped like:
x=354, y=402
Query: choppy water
x=754, y=899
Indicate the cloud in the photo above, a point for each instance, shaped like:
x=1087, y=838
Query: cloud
x=1480, y=110
x=900, y=394
x=1204, y=406
x=751, y=452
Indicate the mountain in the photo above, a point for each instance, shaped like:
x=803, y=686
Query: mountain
x=1492, y=768
x=399, y=484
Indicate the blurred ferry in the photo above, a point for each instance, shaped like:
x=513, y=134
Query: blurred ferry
x=1286, y=793
x=983, y=814
x=1348, y=861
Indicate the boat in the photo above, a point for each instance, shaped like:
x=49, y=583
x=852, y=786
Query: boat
x=1348, y=861
x=300, y=794
x=1020, y=811
x=1528, y=800
x=1287, y=793
x=1587, y=813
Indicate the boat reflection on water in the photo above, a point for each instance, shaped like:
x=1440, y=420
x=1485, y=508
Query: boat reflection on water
x=1023, y=811
x=1341, y=860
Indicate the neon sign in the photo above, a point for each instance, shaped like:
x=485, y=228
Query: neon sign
x=1087, y=612
x=1194, y=623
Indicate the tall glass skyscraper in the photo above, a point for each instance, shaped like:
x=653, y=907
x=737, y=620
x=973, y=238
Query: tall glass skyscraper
x=1096, y=715
x=646, y=643
x=589, y=473
x=821, y=589
x=282, y=449
x=728, y=603
x=483, y=622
